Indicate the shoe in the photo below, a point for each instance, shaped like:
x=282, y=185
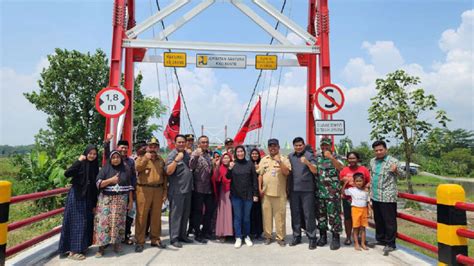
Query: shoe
x=348, y=241
x=159, y=245
x=186, y=240
x=388, y=249
x=323, y=239
x=312, y=244
x=248, y=241
x=378, y=243
x=139, y=248
x=296, y=241
x=267, y=241
x=177, y=244
x=281, y=243
x=201, y=240
x=335, y=242
x=238, y=243
x=210, y=237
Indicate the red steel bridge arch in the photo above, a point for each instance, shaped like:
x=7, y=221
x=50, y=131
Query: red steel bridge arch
x=124, y=55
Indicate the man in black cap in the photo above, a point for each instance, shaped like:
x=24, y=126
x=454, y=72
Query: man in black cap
x=189, y=143
x=229, y=146
x=151, y=193
x=122, y=147
x=273, y=170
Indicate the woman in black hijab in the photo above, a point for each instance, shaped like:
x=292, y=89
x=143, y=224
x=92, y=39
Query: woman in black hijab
x=114, y=183
x=78, y=221
x=256, y=224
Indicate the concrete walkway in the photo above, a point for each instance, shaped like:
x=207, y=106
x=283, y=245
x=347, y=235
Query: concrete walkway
x=215, y=253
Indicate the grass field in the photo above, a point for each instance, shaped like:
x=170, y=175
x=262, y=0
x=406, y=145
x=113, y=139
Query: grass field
x=427, y=185
x=23, y=210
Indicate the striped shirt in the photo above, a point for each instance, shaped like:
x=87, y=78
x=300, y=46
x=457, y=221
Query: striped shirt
x=383, y=180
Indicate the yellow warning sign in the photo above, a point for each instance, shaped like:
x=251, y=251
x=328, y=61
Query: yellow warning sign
x=174, y=59
x=266, y=62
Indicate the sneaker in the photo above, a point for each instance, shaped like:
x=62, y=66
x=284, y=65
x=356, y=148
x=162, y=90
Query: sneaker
x=238, y=243
x=248, y=241
x=267, y=241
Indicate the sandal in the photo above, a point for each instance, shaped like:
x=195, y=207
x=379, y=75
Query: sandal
x=100, y=252
x=347, y=242
x=76, y=256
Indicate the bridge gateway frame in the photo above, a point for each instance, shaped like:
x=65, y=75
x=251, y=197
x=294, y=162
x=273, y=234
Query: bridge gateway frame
x=314, y=55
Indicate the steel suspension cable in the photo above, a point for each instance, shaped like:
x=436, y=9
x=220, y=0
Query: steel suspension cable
x=156, y=68
x=260, y=73
x=177, y=78
x=279, y=81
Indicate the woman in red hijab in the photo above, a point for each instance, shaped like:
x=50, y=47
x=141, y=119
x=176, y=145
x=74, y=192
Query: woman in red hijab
x=221, y=186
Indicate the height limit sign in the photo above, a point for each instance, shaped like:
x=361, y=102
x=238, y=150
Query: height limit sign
x=329, y=99
x=111, y=102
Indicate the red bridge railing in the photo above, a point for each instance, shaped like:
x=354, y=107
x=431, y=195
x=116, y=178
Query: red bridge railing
x=4, y=204
x=450, y=202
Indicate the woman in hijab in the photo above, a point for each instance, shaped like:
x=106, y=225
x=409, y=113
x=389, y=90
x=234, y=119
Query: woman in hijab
x=78, y=221
x=114, y=184
x=221, y=186
x=243, y=191
x=256, y=225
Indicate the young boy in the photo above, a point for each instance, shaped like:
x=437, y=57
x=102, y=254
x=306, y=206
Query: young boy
x=360, y=209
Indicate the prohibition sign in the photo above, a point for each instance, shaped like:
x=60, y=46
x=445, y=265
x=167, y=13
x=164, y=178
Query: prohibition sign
x=111, y=102
x=329, y=99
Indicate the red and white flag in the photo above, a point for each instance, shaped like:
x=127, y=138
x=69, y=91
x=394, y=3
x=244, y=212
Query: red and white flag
x=172, y=129
x=253, y=122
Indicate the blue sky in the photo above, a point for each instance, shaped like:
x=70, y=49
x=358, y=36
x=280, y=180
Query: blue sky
x=368, y=38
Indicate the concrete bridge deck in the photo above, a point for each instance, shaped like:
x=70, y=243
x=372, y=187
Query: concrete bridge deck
x=215, y=253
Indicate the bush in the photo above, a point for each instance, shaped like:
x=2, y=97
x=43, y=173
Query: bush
x=40, y=172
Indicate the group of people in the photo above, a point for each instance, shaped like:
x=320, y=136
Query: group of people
x=218, y=195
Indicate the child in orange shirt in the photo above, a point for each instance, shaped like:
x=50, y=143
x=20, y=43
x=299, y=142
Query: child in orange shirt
x=360, y=209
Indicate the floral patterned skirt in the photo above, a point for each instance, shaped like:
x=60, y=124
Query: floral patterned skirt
x=109, y=223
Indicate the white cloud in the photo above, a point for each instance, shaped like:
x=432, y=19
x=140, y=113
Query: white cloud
x=460, y=38
x=384, y=56
x=19, y=119
x=450, y=80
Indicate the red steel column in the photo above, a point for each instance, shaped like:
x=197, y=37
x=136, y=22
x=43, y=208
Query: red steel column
x=324, y=62
x=311, y=90
x=116, y=55
x=129, y=81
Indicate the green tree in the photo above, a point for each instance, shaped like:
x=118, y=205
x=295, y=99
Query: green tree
x=145, y=108
x=365, y=152
x=345, y=146
x=399, y=110
x=67, y=95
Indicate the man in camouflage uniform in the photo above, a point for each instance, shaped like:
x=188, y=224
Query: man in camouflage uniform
x=329, y=195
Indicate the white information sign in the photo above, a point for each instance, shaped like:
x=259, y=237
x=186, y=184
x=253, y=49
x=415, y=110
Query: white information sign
x=330, y=127
x=221, y=61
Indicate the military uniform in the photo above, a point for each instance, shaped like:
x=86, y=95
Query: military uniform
x=328, y=196
x=274, y=196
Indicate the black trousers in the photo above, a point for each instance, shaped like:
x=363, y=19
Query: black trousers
x=256, y=223
x=203, y=206
x=180, y=208
x=303, y=212
x=385, y=217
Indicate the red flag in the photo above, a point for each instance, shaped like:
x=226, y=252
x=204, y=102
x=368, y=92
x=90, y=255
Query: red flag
x=253, y=122
x=172, y=129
